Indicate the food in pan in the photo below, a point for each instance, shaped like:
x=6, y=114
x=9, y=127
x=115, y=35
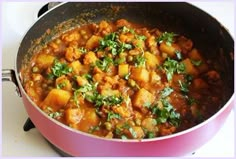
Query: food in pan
x=123, y=80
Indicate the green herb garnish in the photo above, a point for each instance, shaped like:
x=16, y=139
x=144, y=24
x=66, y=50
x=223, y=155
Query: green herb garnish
x=113, y=44
x=183, y=86
x=167, y=37
x=105, y=63
x=59, y=69
x=166, y=92
x=112, y=115
x=61, y=85
x=178, y=55
x=172, y=66
x=166, y=113
x=139, y=61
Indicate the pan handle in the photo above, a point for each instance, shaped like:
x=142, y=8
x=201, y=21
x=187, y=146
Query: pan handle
x=9, y=75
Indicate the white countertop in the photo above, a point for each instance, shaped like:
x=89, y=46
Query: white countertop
x=16, y=18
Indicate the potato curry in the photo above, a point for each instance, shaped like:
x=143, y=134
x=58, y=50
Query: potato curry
x=123, y=80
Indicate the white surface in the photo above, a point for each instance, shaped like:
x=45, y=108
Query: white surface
x=16, y=19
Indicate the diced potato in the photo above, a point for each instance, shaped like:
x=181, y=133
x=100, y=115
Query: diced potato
x=139, y=74
x=63, y=83
x=56, y=99
x=123, y=111
x=98, y=77
x=90, y=58
x=73, y=115
x=110, y=92
x=169, y=49
x=195, y=55
x=93, y=42
x=189, y=67
x=142, y=97
x=76, y=67
x=199, y=83
x=90, y=119
x=151, y=60
x=44, y=60
x=81, y=81
x=123, y=69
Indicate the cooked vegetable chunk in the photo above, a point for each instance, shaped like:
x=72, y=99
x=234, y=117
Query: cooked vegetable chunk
x=73, y=115
x=56, y=99
x=139, y=74
x=142, y=97
x=93, y=42
x=151, y=60
x=189, y=67
x=44, y=60
x=123, y=69
x=169, y=49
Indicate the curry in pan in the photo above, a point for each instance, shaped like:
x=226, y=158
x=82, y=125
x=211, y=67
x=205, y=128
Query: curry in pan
x=123, y=80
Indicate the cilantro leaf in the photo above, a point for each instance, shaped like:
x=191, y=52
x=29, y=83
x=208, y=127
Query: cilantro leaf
x=167, y=37
x=139, y=60
x=166, y=92
x=166, y=114
x=59, y=69
x=172, y=66
x=104, y=63
x=112, y=115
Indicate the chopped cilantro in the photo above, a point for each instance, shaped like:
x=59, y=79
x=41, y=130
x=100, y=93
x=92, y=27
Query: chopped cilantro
x=82, y=50
x=59, y=69
x=183, y=86
x=167, y=37
x=166, y=92
x=167, y=113
x=112, y=115
x=178, y=55
x=133, y=133
x=126, y=77
x=61, y=85
x=139, y=60
x=112, y=42
x=105, y=63
x=172, y=66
